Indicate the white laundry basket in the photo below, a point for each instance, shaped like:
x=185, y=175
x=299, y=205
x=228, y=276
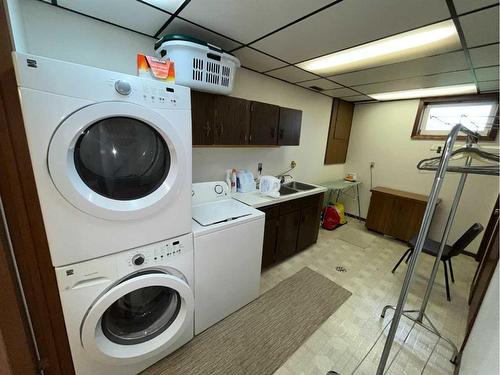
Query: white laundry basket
x=199, y=65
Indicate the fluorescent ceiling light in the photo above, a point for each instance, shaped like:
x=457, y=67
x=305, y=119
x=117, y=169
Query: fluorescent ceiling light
x=420, y=42
x=469, y=88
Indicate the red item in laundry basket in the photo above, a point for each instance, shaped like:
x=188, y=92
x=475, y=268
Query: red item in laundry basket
x=331, y=218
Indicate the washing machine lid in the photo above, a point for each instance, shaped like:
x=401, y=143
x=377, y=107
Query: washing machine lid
x=217, y=212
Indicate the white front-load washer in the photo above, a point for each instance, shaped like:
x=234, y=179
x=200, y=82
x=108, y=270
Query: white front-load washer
x=125, y=311
x=111, y=156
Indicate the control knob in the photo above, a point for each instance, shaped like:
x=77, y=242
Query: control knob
x=138, y=259
x=123, y=87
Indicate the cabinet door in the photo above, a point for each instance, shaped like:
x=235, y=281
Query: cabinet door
x=232, y=120
x=398, y=221
x=288, y=229
x=339, y=131
x=202, y=113
x=290, y=121
x=344, y=120
x=269, y=246
x=264, y=124
x=309, y=227
x=310, y=217
x=380, y=212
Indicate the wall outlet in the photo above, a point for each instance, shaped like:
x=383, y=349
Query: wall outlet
x=372, y=164
x=437, y=148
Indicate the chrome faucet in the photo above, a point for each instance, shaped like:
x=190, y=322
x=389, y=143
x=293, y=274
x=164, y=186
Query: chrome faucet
x=282, y=177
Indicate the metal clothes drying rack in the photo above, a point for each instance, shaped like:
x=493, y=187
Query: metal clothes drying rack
x=441, y=168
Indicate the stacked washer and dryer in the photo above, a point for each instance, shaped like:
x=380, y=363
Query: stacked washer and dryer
x=111, y=156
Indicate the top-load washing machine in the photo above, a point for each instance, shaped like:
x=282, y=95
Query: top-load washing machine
x=111, y=156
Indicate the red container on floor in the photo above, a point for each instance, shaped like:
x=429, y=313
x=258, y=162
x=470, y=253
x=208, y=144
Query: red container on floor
x=331, y=218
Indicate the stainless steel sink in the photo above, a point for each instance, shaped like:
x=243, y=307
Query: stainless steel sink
x=299, y=186
x=287, y=191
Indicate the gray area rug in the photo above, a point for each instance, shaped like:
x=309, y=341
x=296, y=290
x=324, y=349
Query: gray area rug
x=261, y=336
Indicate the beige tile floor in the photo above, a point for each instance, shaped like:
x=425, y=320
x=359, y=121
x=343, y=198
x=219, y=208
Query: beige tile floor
x=342, y=342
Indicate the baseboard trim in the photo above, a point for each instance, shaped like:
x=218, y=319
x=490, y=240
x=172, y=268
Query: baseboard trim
x=354, y=216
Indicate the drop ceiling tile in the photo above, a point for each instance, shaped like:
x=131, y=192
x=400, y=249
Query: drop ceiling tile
x=488, y=86
x=443, y=79
x=291, y=74
x=321, y=82
x=480, y=27
x=246, y=21
x=487, y=74
x=132, y=14
x=256, y=60
x=484, y=56
x=357, y=98
x=169, y=6
x=340, y=93
x=179, y=26
x=463, y=6
x=350, y=23
x=417, y=67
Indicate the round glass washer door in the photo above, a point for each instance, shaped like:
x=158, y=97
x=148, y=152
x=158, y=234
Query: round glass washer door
x=137, y=318
x=117, y=160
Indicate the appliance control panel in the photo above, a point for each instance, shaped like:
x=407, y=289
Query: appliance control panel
x=58, y=77
x=212, y=191
x=111, y=267
x=157, y=94
x=159, y=253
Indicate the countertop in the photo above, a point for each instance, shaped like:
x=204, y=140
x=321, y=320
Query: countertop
x=256, y=199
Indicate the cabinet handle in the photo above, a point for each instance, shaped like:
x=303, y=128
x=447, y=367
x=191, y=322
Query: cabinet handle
x=207, y=129
x=250, y=138
x=282, y=132
x=221, y=128
x=273, y=132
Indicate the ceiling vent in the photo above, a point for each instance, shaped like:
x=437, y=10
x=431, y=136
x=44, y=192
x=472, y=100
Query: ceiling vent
x=317, y=88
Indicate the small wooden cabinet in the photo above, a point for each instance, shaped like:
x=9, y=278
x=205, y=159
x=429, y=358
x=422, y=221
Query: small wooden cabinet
x=264, y=123
x=290, y=227
x=396, y=213
x=290, y=121
x=202, y=118
x=228, y=112
x=220, y=120
x=339, y=132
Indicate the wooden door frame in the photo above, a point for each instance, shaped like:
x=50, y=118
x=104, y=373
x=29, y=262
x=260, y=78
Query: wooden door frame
x=17, y=352
x=25, y=225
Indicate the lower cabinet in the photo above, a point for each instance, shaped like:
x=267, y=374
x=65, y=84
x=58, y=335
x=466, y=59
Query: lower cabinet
x=291, y=226
x=396, y=213
x=288, y=229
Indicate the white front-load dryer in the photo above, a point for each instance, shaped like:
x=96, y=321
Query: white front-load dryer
x=111, y=156
x=126, y=311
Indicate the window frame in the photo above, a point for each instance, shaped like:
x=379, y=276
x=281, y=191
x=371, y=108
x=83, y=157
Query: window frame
x=458, y=99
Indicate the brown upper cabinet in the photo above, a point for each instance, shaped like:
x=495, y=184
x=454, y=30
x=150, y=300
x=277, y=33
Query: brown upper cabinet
x=339, y=132
x=232, y=121
x=203, y=118
x=289, y=127
x=226, y=120
x=264, y=120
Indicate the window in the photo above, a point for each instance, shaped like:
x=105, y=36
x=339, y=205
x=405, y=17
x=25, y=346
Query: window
x=437, y=116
